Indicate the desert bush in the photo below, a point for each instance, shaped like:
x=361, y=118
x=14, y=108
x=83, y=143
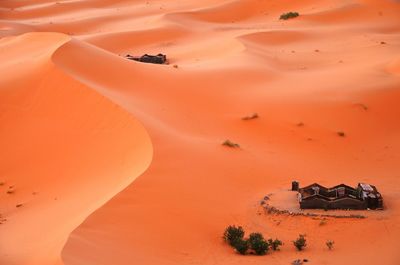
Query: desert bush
x=232, y=234
x=300, y=243
x=289, y=15
x=330, y=244
x=341, y=134
x=274, y=244
x=240, y=245
x=297, y=262
x=323, y=222
x=258, y=243
x=251, y=117
x=231, y=144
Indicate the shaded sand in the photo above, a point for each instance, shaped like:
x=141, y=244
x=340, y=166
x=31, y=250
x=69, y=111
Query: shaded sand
x=69, y=105
x=66, y=151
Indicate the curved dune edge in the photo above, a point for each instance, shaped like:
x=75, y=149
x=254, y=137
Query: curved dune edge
x=68, y=151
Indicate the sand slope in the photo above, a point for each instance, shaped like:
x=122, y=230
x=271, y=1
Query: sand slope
x=332, y=69
x=66, y=150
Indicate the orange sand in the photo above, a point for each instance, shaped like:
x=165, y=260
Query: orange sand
x=118, y=162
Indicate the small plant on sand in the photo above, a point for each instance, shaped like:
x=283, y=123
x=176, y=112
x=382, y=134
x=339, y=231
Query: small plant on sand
x=250, y=117
x=231, y=144
x=258, y=243
x=241, y=246
x=233, y=233
x=275, y=244
x=341, y=134
x=286, y=16
x=300, y=243
x=323, y=222
x=363, y=106
x=330, y=244
x=297, y=262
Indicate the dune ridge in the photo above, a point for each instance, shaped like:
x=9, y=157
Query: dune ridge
x=80, y=150
x=116, y=162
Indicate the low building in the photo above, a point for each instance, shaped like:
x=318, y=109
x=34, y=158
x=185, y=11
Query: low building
x=155, y=59
x=315, y=196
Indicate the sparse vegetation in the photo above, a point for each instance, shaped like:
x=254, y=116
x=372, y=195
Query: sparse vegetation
x=289, y=15
x=255, y=243
x=297, y=262
x=323, y=222
x=363, y=106
x=258, y=243
x=231, y=144
x=251, y=117
x=341, y=134
x=232, y=234
x=330, y=244
x=275, y=244
x=241, y=246
x=300, y=243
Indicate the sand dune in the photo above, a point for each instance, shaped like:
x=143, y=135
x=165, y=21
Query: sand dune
x=112, y=161
x=77, y=150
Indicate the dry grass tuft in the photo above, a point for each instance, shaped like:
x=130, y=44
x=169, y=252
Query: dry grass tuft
x=341, y=134
x=230, y=144
x=289, y=15
x=323, y=222
x=363, y=106
x=330, y=244
x=251, y=117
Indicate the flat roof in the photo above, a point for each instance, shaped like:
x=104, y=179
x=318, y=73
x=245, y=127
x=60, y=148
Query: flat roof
x=366, y=187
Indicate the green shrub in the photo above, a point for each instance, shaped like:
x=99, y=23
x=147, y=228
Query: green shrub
x=258, y=243
x=240, y=245
x=274, y=244
x=233, y=234
x=300, y=243
x=289, y=15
